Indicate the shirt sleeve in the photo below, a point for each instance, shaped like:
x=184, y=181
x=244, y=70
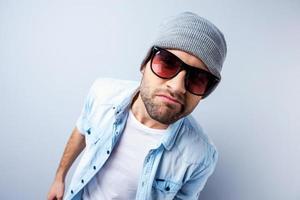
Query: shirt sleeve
x=82, y=122
x=192, y=188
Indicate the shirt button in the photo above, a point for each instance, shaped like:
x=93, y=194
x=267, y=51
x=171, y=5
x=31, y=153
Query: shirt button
x=82, y=181
x=94, y=167
x=114, y=108
x=167, y=188
x=107, y=152
x=117, y=132
x=72, y=191
x=89, y=131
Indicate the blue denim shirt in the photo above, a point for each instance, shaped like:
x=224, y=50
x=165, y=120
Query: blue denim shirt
x=177, y=168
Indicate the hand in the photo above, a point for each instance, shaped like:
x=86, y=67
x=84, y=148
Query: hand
x=56, y=191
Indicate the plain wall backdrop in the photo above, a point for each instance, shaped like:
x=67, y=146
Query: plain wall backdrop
x=52, y=51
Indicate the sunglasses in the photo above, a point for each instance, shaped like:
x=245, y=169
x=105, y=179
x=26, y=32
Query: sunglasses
x=166, y=65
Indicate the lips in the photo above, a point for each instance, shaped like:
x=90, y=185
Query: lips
x=169, y=99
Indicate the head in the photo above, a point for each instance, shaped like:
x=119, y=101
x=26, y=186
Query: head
x=182, y=67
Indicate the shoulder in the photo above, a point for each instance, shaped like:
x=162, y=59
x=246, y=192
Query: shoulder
x=109, y=89
x=111, y=86
x=195, y=142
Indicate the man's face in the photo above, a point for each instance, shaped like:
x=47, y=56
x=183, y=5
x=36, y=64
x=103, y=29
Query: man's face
x=167, y=100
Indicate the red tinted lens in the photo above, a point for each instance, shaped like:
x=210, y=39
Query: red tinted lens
x=165, y=65
x=197, y=82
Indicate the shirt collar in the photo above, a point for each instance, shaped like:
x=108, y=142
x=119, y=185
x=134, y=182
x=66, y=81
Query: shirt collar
x=124, y=106
x=169, y=138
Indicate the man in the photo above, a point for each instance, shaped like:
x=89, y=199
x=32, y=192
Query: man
x=140, y=140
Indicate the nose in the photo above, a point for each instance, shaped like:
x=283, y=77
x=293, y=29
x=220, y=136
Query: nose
x=177, y=83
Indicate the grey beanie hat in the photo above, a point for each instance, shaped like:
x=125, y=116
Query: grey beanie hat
x=195, y=35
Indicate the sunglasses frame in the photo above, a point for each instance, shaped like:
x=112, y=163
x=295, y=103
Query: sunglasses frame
x=212, y=79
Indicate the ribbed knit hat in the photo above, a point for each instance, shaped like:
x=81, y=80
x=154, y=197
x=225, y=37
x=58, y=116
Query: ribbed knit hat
x=195, y=35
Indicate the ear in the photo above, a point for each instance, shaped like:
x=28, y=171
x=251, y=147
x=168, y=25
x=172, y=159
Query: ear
x=142, y=69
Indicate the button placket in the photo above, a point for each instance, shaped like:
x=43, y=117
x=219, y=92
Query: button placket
x=147, y=170
x=89, y=131
x=115, y=128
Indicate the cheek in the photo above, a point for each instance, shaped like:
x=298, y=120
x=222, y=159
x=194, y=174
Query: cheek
x=147, y=85
x=192, y=102
x=150, y=79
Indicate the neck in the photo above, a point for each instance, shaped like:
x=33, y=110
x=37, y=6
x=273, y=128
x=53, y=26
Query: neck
x=139, y=111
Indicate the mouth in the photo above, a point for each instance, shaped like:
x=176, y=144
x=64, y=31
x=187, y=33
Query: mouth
x=169, y=99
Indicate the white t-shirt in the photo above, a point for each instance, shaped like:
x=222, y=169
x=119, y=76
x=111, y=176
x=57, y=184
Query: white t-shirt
x=118, y=179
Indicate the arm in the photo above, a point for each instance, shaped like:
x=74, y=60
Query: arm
x=75, y=145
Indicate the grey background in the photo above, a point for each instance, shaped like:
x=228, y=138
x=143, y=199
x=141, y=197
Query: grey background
x=51, y=52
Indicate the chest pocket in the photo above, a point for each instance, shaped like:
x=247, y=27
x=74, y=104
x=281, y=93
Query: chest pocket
x=93, y=135
x=165, y=187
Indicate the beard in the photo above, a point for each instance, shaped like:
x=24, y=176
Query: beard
x=163, y=112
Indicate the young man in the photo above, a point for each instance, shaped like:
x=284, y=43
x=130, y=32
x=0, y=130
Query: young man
x=140, y=140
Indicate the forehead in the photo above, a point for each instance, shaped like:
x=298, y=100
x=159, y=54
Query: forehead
x=189, y=59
